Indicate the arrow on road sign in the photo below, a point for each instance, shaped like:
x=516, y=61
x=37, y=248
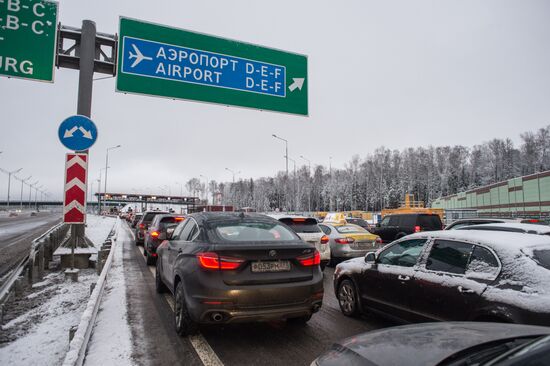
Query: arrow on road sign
x=138, y=56
x=298, y=83
x=87, y=134
x=69, y=133
x=74, y=203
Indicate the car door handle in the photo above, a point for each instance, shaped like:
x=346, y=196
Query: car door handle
x=403, y=278
x=463, y=290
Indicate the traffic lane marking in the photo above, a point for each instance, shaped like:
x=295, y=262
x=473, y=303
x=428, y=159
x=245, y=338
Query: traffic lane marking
x=199, y=343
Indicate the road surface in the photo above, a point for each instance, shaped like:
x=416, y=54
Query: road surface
x=17, y=234
x=274, y=343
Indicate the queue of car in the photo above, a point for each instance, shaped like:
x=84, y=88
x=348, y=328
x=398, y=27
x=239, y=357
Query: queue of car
x=241, y=267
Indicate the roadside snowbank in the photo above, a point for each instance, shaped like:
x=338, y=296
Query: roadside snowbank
x=111, y=341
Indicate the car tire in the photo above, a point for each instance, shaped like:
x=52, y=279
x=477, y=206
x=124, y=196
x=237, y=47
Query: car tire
x=159, y=285
x=184, y=324
x=348, y=298
x=301, y=320
x=150, y=260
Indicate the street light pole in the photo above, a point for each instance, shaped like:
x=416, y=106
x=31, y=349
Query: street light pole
x=206, y=188
x=31, y=186
x=36, y=189
x=309, y=193
x=22, y=182
x=286, y=150
x=331, y=182
x=9, y=181
x=107, y=164
x=295, y=181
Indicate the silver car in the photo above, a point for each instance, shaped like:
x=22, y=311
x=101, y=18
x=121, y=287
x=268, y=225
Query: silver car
x=349, y=241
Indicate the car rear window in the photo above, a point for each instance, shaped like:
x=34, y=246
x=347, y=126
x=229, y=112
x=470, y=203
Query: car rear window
x=252, y=231
x=150, y=216
x=542, y=257
x=359, y=222
x=350, y=229
x=302, y=225
x=166, y=222
x=432, y=222
x=407, y=220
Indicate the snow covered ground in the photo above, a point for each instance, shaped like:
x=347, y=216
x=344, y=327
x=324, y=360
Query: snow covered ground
x=40, y=334
x=111, y=341
x=97, y=229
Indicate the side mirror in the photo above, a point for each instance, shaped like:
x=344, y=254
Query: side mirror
x=370, y=258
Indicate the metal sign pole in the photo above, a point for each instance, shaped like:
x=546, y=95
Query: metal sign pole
x=84, y=104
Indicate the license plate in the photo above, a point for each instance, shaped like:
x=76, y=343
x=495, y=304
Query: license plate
x=272, y=266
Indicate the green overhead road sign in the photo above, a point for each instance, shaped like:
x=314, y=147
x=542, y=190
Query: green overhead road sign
x=167, y=62
x=28, y=32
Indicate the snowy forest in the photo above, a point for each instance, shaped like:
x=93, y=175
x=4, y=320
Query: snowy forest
x=381, y=179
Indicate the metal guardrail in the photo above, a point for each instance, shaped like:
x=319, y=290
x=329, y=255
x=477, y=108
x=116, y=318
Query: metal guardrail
x=79, y=344
x=55, y=236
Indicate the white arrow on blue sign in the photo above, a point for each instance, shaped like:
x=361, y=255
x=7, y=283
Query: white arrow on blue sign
x=77, y=133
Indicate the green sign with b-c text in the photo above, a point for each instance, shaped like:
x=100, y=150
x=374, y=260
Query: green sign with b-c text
x=174, y=63
x=28, y=33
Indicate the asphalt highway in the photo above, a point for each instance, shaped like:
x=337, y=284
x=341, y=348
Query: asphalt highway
x=17, y=234
x=272, y=343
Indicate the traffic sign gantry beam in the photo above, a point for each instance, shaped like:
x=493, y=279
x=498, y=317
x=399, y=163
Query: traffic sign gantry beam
x=68, y=47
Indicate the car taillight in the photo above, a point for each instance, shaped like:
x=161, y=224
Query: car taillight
x=178, y=219
x=378, y=240
x=344, y=240
x=310, y=259
x=324, y=239
x=141, y=226
x=211, y=260
x=155, y=234
x=417, y=229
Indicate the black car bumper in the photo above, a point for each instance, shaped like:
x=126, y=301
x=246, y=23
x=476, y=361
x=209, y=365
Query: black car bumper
x=233, y=304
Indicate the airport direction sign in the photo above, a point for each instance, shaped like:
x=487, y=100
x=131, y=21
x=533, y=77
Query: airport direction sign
x=167, y=62
x=28, y=34
x=77, y=133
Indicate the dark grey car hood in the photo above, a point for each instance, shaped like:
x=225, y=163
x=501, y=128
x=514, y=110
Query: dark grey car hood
x=420, y=344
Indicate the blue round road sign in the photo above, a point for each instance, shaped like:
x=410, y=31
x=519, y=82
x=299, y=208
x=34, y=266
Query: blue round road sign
x=77, y=133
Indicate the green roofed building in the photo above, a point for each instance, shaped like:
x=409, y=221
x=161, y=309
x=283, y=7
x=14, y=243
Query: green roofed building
x=527, y=196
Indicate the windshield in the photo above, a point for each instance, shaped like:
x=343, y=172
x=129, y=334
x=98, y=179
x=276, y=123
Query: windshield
x=351, y=229
x=253, y=231
x=302, y=226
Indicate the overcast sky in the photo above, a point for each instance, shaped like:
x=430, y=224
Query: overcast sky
x=392, y=73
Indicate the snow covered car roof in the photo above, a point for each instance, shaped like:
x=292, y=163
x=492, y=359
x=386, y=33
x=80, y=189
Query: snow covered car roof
x=497, y=240
x=518, y=227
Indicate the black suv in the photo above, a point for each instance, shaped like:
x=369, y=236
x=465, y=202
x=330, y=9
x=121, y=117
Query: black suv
x=396, y=226
x=143, y=224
